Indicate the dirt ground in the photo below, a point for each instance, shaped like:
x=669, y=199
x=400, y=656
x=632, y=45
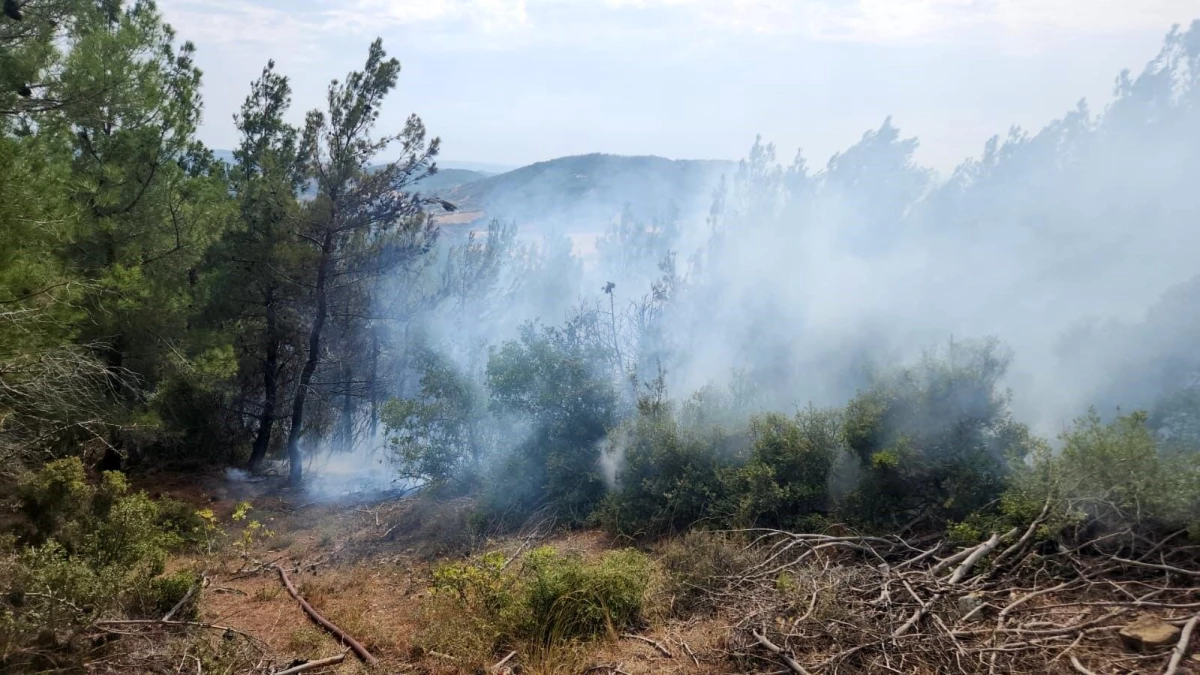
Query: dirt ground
x=357, y=565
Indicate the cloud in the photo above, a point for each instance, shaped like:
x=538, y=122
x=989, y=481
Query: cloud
x=484, y=24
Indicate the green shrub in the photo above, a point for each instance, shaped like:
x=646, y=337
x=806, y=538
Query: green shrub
x=1115, y=474
x=785, y=483
x=90, y=551
x=552, y=384
x=669, y=476
x=566, y=597
x=440, y=437
x=164, y=592
x=545, y=599
x=935, y=441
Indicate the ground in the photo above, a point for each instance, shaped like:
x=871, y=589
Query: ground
x=366, y=564
x=357, y=565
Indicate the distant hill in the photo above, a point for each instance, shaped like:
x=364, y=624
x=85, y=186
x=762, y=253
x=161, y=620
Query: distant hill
x=577, y=194
x=584, y=192
x=448, y=179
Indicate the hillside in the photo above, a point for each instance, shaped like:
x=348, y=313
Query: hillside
x=577, y=194
x=580, y=192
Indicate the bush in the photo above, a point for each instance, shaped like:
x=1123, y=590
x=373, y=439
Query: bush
x=545, y=599
x=669, y=476
x=1115, y=475
x=934, y=442
x=89, y=551
x=552, y=380
x=785, y=483
x=440, y=438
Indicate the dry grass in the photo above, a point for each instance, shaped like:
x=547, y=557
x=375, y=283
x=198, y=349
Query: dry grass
x=367, y=568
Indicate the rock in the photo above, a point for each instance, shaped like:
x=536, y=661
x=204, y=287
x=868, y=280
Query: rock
x=968, y=603
x=1148, y=632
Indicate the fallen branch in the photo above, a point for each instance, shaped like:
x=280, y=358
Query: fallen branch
x=1181, y=646
x=313, y=665
x=780, y=652
x=654, y=643
x=1155, y=566
x=983, y=549
x=186, y=596
x=177, y=624
x=500, y=664
x=340, y=634
x=1079, y=666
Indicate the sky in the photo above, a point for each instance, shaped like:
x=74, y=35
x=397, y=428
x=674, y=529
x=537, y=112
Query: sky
x=511, y=82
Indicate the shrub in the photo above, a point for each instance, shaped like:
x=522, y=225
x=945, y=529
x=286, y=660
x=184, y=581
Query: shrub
x=935, y=441
x=669, y=476
x=89, y=551
x=545, y=599
x=552, y=380
x=566, y=597
x=440, y=437
x=785, y=483
x=1116, y=475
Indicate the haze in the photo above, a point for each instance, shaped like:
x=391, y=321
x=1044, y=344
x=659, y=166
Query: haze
x=511, y=82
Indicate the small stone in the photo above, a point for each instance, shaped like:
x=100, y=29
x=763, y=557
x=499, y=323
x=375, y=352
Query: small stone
x=969, y=603
x=1148, y=632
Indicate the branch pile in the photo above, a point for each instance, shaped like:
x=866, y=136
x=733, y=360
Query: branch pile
x=820, y=603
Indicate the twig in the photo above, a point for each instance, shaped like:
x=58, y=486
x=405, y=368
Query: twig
x=987, y=547
x=178, y=624
x=690, y=653
x=780, y=652
x=1079, y=666
x=1181, y=646
x=654, y=643
x=500, y=664
x=325, y=623
x=186, y=596
x=1168, y=568
x=313, y=665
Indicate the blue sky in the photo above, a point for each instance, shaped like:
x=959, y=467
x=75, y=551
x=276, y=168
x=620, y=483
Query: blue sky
x=517, y=81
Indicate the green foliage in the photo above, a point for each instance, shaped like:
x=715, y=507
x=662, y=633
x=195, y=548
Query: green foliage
x=934, y=441
x=545, y=597
x=552, y=380
x=440, y=437
x=785, y=482
x=671, y=474
x=91, y=551
x=1115, y=474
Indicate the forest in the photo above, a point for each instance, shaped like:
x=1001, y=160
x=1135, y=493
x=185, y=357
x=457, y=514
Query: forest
x=858, y=418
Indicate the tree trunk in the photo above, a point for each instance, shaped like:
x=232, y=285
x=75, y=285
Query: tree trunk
x=347, y=432
x=266, y=419
x=374, y=383
x=310, y=365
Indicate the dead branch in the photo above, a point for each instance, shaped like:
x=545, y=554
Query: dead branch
x=1079, y=666
x=653, y=643
x=780, y=652
x=177, y=624
x=313, y=665
x=1156, y=566
x=977, y=554
x=1181, y=646
x=186, y=596
x=500, y=664
x=340, y=634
